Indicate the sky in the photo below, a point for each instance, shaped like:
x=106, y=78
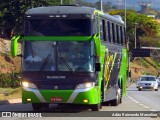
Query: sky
x=155, y=4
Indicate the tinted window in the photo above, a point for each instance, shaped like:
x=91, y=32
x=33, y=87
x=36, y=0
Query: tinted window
x=148, y=79
x=58, y=56
x=58, y=27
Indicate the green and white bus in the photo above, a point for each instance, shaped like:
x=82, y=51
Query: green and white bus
x=73, y=55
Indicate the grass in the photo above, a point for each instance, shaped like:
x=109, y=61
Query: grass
x=10, y=93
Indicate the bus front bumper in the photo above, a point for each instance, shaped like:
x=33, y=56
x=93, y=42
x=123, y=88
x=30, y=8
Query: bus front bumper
x=77, y=96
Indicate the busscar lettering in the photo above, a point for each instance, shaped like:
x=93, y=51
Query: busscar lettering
x=56, y=77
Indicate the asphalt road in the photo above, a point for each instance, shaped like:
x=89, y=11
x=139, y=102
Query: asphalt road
x=135, y=100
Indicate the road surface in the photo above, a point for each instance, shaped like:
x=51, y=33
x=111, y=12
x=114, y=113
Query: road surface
x=135, y=100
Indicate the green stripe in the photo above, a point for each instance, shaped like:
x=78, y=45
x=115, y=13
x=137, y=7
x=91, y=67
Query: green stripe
x=57, y=38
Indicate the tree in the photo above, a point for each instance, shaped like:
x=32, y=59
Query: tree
x=147, y=26
x=12, y=12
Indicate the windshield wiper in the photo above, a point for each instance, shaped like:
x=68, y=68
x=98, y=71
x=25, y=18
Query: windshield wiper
x=45, y=62
x=66, y=64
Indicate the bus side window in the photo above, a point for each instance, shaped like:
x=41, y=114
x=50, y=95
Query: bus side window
x=101, y=30
x=96, y=25
x=109, y=31
x=113, y=33
x=117, y=34
x=124, y=39
x=121, y=33
x=104, y=29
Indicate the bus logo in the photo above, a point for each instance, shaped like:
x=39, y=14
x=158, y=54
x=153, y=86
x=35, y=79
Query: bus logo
x=55, y=87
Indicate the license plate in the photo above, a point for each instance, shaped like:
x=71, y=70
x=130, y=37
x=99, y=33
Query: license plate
x=56, y=99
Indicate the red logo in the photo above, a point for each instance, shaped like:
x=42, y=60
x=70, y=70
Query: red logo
x=56, y=99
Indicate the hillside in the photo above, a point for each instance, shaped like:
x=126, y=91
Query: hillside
x=8, y=64
x=143, y=66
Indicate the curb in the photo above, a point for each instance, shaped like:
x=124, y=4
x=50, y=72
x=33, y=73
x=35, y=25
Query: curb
x=4, y=102
x=12, y=101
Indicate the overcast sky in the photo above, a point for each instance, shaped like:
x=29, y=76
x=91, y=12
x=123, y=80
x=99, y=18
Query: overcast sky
x=155, y=4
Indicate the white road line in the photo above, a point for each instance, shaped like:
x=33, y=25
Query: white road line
x=152, y=110
x=137, y=102
x=134, y=100
x=146, y=106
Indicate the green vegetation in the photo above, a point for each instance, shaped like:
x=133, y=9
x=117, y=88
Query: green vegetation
x=150, y=41
x=10, y=93
x=143, y=66
x=9, y=80
x=147, y=29
x=12, y=12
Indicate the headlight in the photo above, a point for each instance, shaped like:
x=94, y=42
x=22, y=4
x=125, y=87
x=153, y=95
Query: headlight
x=85, y=85
x=154, y=84
x=28, y=85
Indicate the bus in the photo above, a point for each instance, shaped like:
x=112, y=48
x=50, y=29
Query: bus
x=52, y=73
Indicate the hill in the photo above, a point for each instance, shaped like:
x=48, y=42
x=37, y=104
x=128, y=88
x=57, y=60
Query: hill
x=8, y=64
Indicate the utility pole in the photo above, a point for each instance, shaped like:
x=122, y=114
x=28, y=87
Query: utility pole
x=101, y=5
x=135, y=35
x=117, y=4
x=61, y=2
x=125, y=14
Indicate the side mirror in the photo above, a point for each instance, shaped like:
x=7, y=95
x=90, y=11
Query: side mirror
x=97, y=44
x=97, y=67
x=14, y=45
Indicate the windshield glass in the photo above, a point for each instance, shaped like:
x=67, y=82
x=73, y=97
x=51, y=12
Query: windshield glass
x=58, y=56
x=58, y=27
x=148, y=79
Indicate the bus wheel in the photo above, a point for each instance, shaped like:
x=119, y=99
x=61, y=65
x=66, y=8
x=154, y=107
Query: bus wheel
x=116, y=101
x=39, y=106
x=96, y=107
x=36, y=106
x=120, y=100
x=101, y=100
x=106, y=103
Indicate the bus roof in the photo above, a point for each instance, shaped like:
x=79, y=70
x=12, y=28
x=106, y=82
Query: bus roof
x=61, y=10
x=69, y=10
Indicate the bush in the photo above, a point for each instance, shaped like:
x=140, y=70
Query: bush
x=9, y=80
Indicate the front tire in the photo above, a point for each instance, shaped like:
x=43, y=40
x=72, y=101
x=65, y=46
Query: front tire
x=96, y=107
x=156, y=89
x=39, y=106
x=139, y=89
x=116, y=101
x=36, y=106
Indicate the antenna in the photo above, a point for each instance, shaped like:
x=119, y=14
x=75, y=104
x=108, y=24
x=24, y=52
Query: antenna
x=120, y=4
x=145, y=4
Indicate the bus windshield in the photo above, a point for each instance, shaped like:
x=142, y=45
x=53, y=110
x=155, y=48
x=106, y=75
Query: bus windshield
x=58, y=27
x=58, y=56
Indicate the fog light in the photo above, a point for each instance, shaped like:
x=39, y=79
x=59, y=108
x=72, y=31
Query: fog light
x=29, y=99
x=85, y=100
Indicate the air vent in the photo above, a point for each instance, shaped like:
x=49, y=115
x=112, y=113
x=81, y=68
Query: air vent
x=70, y=5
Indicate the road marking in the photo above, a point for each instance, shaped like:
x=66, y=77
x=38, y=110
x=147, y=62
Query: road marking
x=152, y=110
x=141, y=104
x=134, y=100
x=146, y=106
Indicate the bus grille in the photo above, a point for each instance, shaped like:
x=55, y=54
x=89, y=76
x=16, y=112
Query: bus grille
x=56, y=87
